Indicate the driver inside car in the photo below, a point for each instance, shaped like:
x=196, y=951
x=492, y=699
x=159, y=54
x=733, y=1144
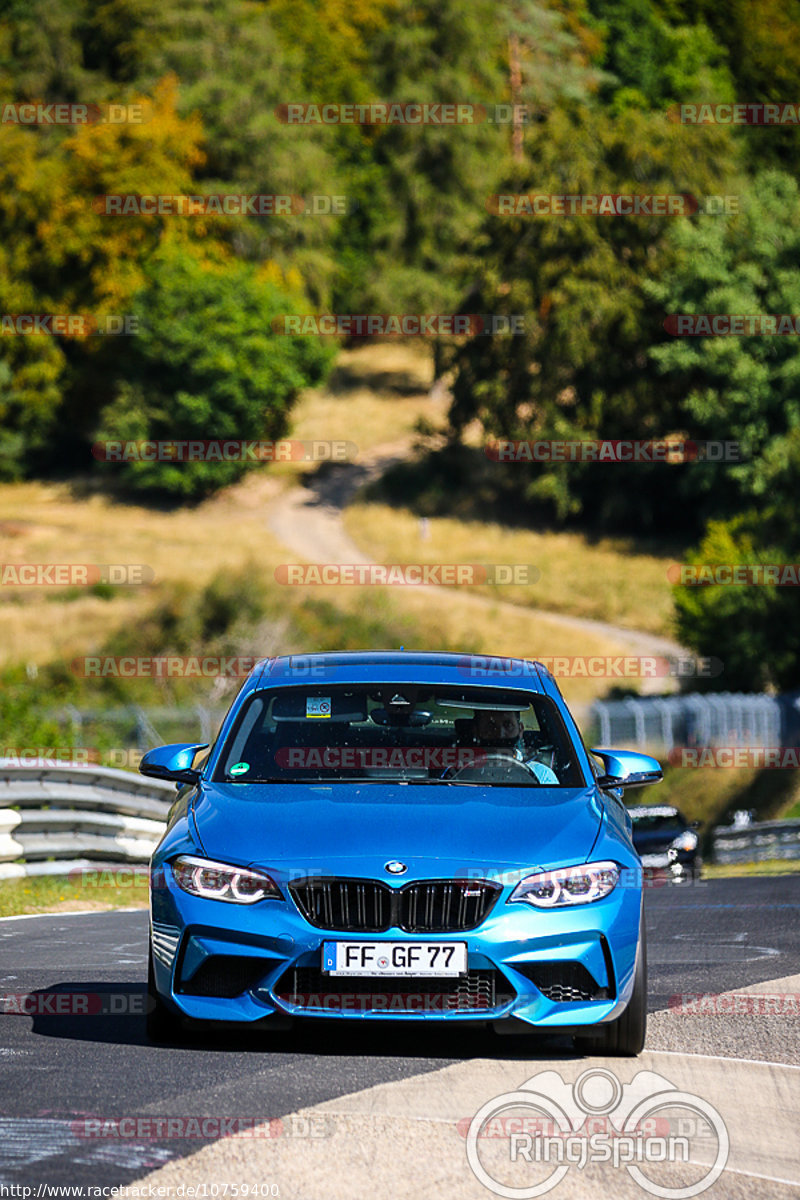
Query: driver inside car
x=501, y=732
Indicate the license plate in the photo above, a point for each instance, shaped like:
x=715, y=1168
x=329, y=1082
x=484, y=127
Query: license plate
x=394, y=958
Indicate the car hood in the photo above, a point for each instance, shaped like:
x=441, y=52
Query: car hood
x=358, y=827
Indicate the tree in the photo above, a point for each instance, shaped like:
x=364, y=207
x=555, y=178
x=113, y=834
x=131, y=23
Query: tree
x=740, y=388
x=581, y=368
x=206, y=364
x=752, y=627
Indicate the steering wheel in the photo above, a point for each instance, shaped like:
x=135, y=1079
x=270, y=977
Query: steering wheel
x=544, y=745
x=493, y=768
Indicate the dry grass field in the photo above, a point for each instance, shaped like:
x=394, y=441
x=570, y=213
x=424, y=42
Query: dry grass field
x=603, y=580
x=374, y=398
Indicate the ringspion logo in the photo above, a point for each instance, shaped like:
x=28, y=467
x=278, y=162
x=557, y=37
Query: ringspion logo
x=534, y=1136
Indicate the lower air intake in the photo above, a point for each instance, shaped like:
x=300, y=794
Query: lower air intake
x=225, y=975
x=564, y=982
x=476, y=992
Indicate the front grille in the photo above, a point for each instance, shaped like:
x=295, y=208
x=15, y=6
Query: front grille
x=563, y=982
x=226, y=975
x=368, y=906
x=477, y=991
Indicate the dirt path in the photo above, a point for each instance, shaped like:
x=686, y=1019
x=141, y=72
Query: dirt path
x=308, y=520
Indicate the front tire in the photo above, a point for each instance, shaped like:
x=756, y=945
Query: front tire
x=625, y=1036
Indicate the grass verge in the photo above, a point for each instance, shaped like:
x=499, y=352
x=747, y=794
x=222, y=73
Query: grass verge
x=772, y=866
x=62, y=893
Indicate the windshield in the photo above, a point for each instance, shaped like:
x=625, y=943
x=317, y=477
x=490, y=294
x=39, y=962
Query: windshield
x=400, y=733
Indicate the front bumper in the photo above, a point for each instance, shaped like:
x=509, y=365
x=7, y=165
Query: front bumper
x=549, y=969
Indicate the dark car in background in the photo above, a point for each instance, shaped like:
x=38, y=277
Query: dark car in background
x=668, y=844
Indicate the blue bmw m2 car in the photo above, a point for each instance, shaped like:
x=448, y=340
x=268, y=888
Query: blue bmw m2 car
x=406, y=837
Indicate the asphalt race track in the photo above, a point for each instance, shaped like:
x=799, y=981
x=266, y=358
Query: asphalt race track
x=405, y=1088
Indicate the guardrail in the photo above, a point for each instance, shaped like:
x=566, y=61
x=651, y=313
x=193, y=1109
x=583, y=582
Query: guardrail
x=60, y=818
x=757, y=842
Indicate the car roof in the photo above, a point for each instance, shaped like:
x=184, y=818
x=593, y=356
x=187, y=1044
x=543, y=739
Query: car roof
x=402, y=666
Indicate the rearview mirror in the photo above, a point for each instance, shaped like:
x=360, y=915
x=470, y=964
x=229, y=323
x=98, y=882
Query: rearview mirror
x=173, y=762
x=627, y=768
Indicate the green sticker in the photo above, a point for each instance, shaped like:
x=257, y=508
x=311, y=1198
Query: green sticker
x=240, y=768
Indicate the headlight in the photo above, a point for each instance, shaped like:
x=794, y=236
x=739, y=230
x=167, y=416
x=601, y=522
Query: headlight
x=569, y=885
x=220, y=881
x=684, y=841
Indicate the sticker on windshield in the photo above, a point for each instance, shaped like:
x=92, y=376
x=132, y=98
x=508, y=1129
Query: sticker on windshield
x=318, y=706
x=240, y=768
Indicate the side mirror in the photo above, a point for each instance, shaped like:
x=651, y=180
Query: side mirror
x=173, y=762
x=627, y=768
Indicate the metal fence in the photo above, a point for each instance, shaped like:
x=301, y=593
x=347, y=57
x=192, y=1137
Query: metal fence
x=58, y=819
x=708, y=719
x=139, y=728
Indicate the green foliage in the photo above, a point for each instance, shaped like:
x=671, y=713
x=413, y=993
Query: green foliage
x=740, y=388
x=595, y=360
x=205, y=364
x=580, y=370
x=754, y=629
x=654, y=60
